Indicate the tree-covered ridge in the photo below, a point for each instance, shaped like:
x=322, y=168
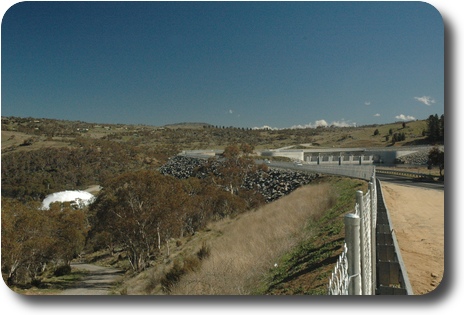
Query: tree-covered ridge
x=31, y=175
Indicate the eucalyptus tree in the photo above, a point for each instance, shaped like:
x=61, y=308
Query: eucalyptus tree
x=35, y=240
x=437, y=157
x=139, y=211
x=237, y=166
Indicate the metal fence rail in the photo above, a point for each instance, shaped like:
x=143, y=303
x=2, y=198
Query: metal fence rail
x=359, y=247
x=405, y=173
x=392, y=278
x=371, y=262
x=339, y=282
x=356, y=171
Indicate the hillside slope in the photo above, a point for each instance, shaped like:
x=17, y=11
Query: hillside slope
x=291, y=248
x=25, y=134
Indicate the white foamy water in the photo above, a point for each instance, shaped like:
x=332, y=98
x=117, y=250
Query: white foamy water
x=81, y=198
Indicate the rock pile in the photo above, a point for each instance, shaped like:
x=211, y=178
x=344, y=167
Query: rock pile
x=416, y=158
x=182, y=167
x=272, y=184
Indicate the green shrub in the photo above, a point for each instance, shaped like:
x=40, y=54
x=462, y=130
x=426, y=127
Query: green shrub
x=62, y=270
x=172, y=277
x=204, y=251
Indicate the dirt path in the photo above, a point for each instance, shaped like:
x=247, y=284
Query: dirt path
x=98, y=281
x=417, y=216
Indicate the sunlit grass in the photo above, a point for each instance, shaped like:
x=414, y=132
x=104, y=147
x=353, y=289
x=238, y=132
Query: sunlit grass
x=252, y=244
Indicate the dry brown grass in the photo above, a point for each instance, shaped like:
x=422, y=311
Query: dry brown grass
x=214, y=138
x=251, y=244
x=13, y=140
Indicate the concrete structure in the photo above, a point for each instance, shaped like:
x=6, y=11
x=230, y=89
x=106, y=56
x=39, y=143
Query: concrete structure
x=342, y=155
x=325, y=156
x=329, y=156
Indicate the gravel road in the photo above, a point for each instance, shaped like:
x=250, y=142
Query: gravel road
x=418, y=217
x=98, y=280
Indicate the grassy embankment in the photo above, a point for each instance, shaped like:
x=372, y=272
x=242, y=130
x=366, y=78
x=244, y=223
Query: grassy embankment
x=306, y=268
x=284, y=248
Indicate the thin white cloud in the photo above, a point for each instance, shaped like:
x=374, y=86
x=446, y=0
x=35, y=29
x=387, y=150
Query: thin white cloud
x=265, y=127
x=377, y=115
x=427, y=100
x=405, y=117
x=317, y=123
x=321, y=123
x=231, y=111
x=367, y=103
x=342, y=123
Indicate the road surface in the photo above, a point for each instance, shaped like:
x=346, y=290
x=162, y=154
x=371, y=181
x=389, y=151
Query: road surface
x=98, y=280
x=408, y=181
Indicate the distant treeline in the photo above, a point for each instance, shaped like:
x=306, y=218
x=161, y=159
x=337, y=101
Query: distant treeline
x=436, y=128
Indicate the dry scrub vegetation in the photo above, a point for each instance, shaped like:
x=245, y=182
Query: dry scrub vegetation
x=25, y=134
x=240, y=252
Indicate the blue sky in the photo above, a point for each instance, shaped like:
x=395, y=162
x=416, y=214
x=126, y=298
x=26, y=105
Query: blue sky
x=277, y=64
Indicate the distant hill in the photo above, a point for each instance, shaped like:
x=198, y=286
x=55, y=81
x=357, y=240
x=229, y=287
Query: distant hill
x=25, y=134
x=188, y=125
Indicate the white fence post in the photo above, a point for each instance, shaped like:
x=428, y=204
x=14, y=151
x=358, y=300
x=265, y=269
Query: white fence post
x=360, y=246
x=352, y=223
x=362, y=240
x=373, y=192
